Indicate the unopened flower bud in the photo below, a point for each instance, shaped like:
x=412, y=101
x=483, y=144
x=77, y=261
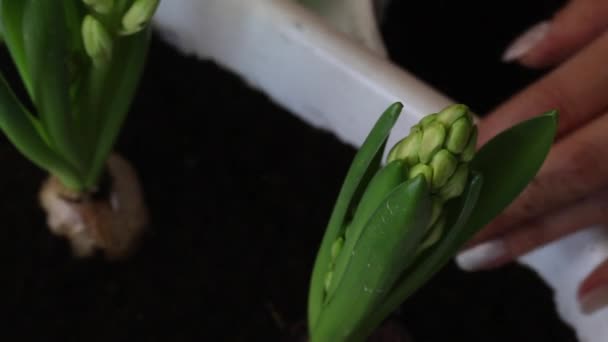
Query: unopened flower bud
x=456, y=184
x=459, y=135
x=407, y=149
x=433, y=138
x=336, y=247
x=138, y=16
x=435, y=233
x=328, y=278
x=443, y=164
x=97, y=41
x=436, y=210
x=100, y=6
x=469, y=151
x=422, y=169
x=428, y=119
x=452, y=113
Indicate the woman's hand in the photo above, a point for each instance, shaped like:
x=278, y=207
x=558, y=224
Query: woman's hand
x=571, y=190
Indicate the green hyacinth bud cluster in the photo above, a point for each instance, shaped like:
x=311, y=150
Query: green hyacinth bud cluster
x=440, y=148
x=424, y=171
x=108, y=19
x=395, y=225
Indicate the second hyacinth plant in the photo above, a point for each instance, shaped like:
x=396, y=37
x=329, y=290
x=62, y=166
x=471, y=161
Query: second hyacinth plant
x=395, y=224
x=79, y=63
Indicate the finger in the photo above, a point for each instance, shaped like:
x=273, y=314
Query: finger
x=552, y=42
x=593, y=292
x=577, y=88
x=576, y=166
x=532, y=234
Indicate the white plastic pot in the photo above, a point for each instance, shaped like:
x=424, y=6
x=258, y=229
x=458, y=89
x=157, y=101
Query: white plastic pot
x=299, y=61
x=335, y=83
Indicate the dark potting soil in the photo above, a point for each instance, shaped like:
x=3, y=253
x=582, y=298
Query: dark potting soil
x=240, y=192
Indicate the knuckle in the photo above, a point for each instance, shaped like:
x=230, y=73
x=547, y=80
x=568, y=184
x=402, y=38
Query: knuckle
x=533, y=235
x=533, y=200
x=582, y=169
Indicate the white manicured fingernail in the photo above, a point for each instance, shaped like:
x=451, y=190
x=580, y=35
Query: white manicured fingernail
x=595, y=300
x=481, y=256
x=524, y=43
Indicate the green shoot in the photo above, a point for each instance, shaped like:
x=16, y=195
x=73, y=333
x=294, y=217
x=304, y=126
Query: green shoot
x=412, y=215
x=80, y=66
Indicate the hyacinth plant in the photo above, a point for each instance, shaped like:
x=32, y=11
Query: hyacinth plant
x=395, y=225
x=79, y=62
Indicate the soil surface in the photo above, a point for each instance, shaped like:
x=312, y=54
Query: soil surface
x=239, y=193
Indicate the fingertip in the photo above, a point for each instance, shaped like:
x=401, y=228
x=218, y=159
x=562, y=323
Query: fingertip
x=537, y=59
x=542, y=47
x=526, y=43
x=550, y=43
x=593, y=292
x=597, y=278
x=484, y=256
x=594, y=301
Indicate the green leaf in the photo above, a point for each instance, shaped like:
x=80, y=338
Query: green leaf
x=75, y=11
x=365, y=164
x=508, y=164
x=381, y=254
x=11, y=21
x=112, y=90
x=433, y=259
x=46, y=45
x=20, y=128
x=381, y=184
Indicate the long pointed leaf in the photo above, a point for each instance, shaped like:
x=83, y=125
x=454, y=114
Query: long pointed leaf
x=382, y=183
x=11, y=21
x=380, y=256
x=433, y=259
x=20, y=130
x=508, y=164
x=365, y=164
x=47, y=54
x=118, y=89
